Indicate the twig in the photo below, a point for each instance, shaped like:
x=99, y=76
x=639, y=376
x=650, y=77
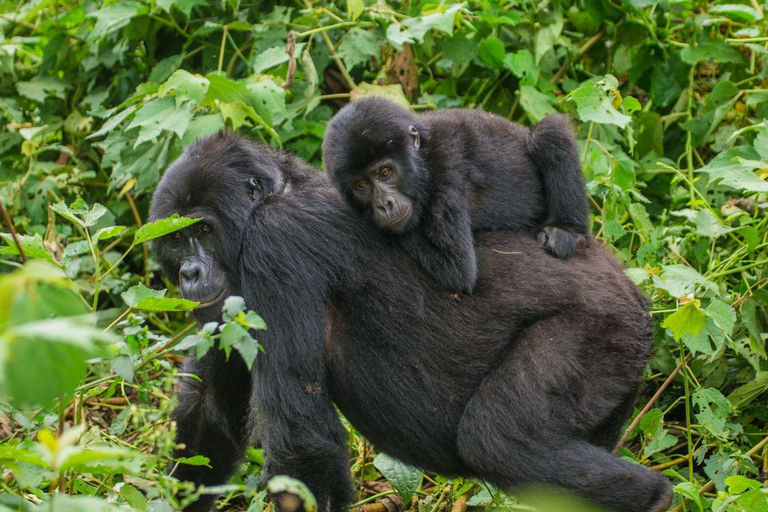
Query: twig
x=579, y=54
x=12, y=229
x=290, y=49
x=706, y=487
x=461, y=504
x=648, y=406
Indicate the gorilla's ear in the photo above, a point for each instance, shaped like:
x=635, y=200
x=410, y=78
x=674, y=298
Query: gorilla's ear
x=254, y=189
x=414, y=133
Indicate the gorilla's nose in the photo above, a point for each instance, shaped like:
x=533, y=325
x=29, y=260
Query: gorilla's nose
x=189, y=277
x=386, y=207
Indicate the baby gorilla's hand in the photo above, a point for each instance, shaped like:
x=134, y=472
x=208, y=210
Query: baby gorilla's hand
x=562, y=242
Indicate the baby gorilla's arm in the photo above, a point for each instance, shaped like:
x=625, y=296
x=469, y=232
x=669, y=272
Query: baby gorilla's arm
x=443, y=245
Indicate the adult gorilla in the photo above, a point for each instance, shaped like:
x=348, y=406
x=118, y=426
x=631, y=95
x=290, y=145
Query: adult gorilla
x=526, y=382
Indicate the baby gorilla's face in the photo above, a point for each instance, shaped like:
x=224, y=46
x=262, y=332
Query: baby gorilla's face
x=377, y=188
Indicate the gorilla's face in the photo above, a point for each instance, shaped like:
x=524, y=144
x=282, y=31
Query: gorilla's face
x=221, y=181
x=200, y=276
x=378, y=188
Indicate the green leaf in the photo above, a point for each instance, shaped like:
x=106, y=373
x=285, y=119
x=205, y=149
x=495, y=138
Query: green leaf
x=158, y=228
x=404, y=478
x=41, y=88
x=732, y=169
x=290, y=485
x=110, y=232
x=722, y=314
x=658, y=438
x=522, y=66
x=359, y=46
x=537, y=105
x=223, y=90
x=737, y=12
x=354, y=9
x=688, y=319
x=141, y=297
x=269, y=58
x=159, y=115
x=594, y=102
x=184, y=6
x=442, y=20
x=711, y=50
x=31, y=245
x=197, y=460
x=114, y=17
x=714, y=410
x=186, y=84
x=492, y=52
x=393, y=93
x=761, y=144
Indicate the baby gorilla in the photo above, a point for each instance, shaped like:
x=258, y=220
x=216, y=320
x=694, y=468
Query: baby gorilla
x=433, y=178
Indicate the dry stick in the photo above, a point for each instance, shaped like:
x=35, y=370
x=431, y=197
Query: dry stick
x=290, y=49
x=649, y=405
x=584, y=49
x=8, y=223
x=461, y=504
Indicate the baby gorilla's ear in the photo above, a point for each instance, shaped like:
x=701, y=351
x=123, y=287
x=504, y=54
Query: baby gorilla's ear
x=414, y=133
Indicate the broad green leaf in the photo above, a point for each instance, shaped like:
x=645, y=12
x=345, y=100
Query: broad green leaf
x=223, y=90
x=658, y=438
x=159, y=115
x=114, y=17
x=141, y=297
x=711, y=50
x=737, y=484
x=492, y=52
x=105, y=233
x=359, y=46
x=441, y=19
x=595, y=102
x=688, y=319
x=354, y=9
x=184, y=6
x=398, y=35
x=197, y=460
x=404, y=478
x=722, y=314
x=738, y=12
x=269, y=58
x=522, y=66
x=31, y=245
x=391, y=92
x=186, y=84
x=292, y=486
x=732, y=169
x=158, y=228
x=536, y=105
x=268, y=99
x=714, y=410
x=761, y=144
x=41, y=88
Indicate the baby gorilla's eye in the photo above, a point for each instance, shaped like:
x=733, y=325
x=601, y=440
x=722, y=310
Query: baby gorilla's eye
x=176, y=235
x=385, y=172
x=361, y=185
x=204, y=229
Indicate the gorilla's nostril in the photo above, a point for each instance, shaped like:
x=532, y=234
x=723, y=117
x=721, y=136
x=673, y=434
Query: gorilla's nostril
x=190, y=273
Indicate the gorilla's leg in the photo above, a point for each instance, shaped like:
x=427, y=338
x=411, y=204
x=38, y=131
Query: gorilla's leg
x=528, y=423
x=211, y=420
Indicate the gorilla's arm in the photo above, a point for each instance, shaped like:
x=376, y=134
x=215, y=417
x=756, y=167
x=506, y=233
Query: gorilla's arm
x=442, y=243
x=297, y=422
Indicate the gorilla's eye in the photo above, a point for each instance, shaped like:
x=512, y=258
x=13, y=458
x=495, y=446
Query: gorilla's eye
x=385, y=172
x=176, y=235
x=361, y=185
x=204, y=229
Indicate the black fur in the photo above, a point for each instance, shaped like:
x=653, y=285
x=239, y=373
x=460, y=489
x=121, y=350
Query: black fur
x=472, y=171
x=526, y=382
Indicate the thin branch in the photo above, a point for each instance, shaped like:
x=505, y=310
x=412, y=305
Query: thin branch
x=12, y=229
x=290, y=49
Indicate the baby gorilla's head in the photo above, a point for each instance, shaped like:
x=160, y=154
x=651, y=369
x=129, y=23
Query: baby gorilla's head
x=371, y=153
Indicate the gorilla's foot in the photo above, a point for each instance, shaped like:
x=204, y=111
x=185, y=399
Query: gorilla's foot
x=664, y=501
x=561, y=242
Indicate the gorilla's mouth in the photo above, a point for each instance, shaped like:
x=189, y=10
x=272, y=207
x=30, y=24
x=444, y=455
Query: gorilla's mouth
x=206, y=304
x=400, y=221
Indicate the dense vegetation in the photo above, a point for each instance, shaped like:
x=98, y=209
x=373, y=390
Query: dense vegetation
x=97, y=97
